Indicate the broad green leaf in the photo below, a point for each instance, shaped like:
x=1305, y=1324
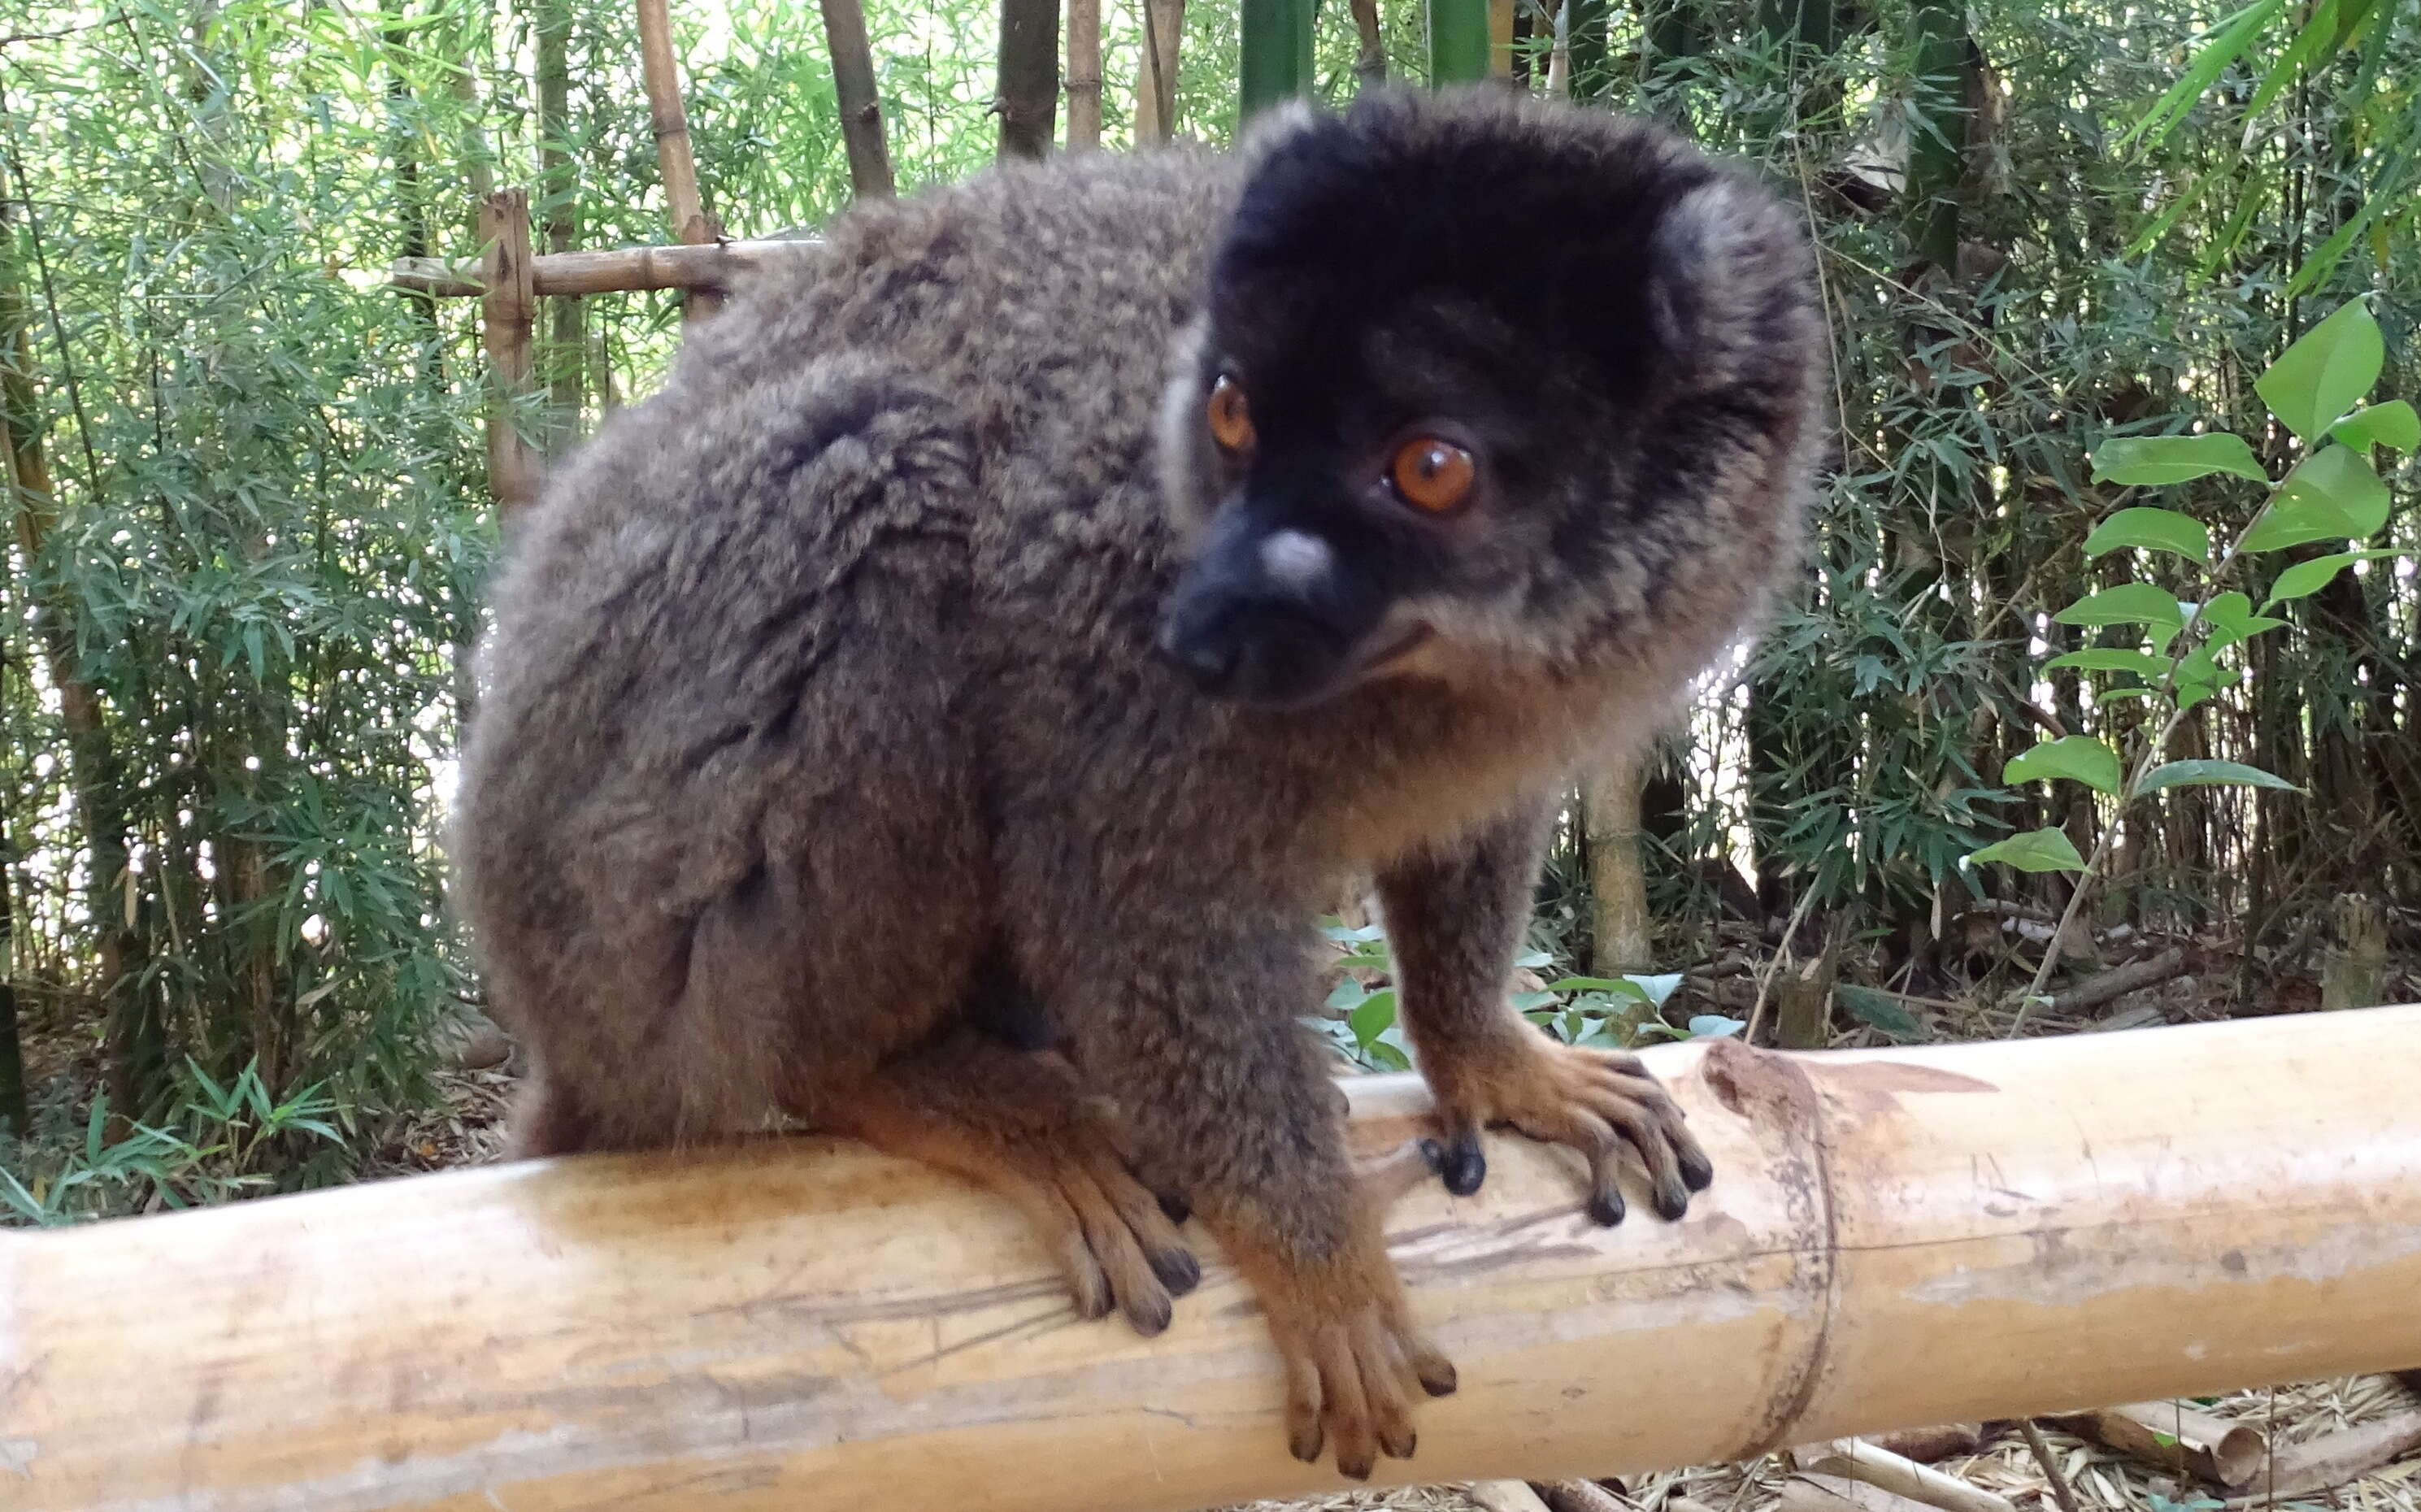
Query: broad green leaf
x=2155, y=530
x=2199, y=678
x=2080, y=756
x=1616, y=986
x=2130, y=603
x=2157, y=460
x=2035, y=850
x=1880, y=1010
x=1715, y=1025
x=1375, y=1017
x=1383, y=1053
x=2312, y=576
x=2211, y=774
x=2229, y=619
x=2331, y=495
x=1658, y=986
x=2324, y=372
x=2112, y=660
x=2392, y=425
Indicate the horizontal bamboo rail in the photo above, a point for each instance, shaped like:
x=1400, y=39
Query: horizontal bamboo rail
x=620, y=270
x=1894, y=1239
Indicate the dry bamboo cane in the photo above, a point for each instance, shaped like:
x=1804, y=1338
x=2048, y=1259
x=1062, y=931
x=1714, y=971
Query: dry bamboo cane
x=616, y=271
x=684, y=206
x=1894, y=1238
x=508, y=313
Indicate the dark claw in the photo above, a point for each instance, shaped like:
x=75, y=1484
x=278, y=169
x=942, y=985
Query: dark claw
x=1697, y=1172
x=1439, y=1379
x=1174, y=1206
x=1671, y=1201
x=1358, y=1470
x=1177, y=1271
x=1307, y=1444
x=1401, y=1448
x=1465, y=1168
x=1150, y=1318
x=1606, y=1207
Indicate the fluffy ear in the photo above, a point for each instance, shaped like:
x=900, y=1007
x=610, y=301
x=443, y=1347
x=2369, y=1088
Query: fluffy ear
x=1727, y=280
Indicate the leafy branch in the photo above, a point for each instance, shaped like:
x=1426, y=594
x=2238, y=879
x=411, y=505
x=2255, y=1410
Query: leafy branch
x=2330, y=493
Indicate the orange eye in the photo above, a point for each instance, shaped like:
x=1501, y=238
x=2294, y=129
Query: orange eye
x=1432, y=475
x=1231, y=422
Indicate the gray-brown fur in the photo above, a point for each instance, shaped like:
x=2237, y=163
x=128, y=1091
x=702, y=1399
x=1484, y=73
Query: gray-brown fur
x=828, y=693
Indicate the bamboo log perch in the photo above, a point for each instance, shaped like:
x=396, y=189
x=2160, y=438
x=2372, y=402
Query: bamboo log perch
x=1895, y=1238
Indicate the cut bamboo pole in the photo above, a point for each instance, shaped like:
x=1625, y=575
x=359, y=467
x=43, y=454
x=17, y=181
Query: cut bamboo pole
x=1155, y=105
x=619, y=271
x=1838, y=1493
x=507, y=312
x=684, y=206
x=1894, y=1238
x=2326, y=1464
x=2177, y=1438
x=1858, y=1460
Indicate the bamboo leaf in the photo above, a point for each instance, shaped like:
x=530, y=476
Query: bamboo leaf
x=2044, y=849
x=2320, y=34
x=2158, y=460
x=2154, y=530
x=2329, y=367
x=2227, y=42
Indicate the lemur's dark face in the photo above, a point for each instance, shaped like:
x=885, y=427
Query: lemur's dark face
x=1356, y=473
x=1414, y=431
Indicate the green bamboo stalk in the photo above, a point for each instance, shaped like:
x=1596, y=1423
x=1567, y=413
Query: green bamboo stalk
x=1457, y=41
x=1277, y=53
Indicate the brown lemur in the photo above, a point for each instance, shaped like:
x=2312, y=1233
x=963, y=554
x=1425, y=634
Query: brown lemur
x=1028, y=607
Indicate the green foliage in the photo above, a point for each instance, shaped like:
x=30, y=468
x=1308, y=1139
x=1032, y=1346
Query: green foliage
x=2045, y=849
x=2330, y=493
x=269, y=524
x=2080, y=756
x=2174, y=460
x=2318, y=379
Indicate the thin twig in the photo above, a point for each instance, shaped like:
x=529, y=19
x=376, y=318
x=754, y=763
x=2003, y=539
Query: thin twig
x=2041, y=1451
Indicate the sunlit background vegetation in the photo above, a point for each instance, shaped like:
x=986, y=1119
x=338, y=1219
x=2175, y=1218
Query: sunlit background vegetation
x=250, y=523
